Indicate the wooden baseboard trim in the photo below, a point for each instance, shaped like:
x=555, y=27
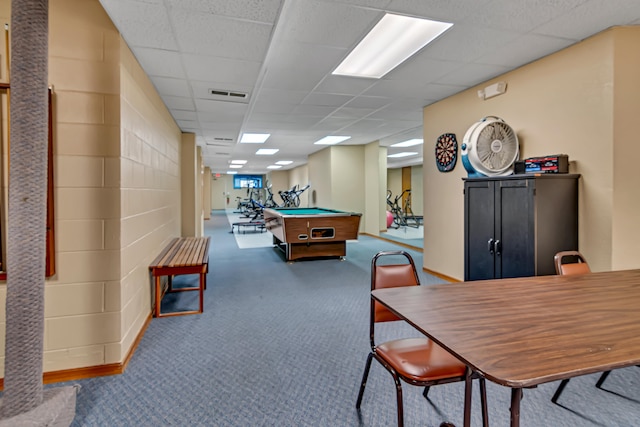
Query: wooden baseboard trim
x=404, y=245
x=92, y=371
x=440, y=275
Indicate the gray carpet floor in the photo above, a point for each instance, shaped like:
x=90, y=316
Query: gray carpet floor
x=284, y=344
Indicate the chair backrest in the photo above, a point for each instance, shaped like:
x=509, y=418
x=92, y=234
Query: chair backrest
x=390, y=276
x=579, y=266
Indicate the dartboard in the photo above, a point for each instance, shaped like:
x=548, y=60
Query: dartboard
x=446, y=152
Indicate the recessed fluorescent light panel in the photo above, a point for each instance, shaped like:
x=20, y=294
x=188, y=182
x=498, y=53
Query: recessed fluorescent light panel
x=284, y=162
x=274, y=167
x=238, y=162
x=267, y=151
x=392, y=41
x=331, y=140
x=404, y=154
x=235, y=166
x=408, y=143
x=232, y=172
x=254, y=138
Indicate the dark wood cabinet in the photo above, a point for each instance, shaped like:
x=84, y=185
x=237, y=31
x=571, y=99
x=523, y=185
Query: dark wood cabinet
x=513, y=226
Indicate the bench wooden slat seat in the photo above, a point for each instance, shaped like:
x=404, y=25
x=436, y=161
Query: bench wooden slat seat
x=183, y=255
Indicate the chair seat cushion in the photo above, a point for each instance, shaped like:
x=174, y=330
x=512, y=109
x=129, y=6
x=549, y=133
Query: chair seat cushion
x=420, y=359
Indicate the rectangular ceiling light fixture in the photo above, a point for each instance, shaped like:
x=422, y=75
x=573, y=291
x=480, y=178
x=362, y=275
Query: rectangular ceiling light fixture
x=232, y=172
x=408, y=143
x=238, y=162
x=403, y=154
x=235, y=166
x=267, y=151
x=274, y=167
x=331, y=140
x=254, y=138
x=284, y=162
x=392, y=41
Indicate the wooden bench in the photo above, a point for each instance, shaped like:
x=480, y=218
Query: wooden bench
x=183, y=255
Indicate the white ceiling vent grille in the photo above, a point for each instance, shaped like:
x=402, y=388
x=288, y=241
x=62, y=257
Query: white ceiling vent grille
x=228, y=95
x=219, y=141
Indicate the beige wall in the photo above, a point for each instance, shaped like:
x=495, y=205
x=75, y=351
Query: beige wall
x=219, y=191
x=117, y=189
x=206, y=193
x=279, y=181
x=320, y=178
x=300, y=176
x=150, y=191
x=375, y=188
x=626, y=152
x=190, y=176
x=394, y=183
x=416, y=190
x=347, y=179
x=563, y=103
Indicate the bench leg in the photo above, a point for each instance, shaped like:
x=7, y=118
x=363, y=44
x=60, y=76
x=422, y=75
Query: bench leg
x=203, y=285
x=158, y=295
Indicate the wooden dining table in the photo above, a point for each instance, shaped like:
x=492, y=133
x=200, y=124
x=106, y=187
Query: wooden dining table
x=523, y=332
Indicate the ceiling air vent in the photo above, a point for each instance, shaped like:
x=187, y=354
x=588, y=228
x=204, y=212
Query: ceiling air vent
x=219, y=141
x=228, y=95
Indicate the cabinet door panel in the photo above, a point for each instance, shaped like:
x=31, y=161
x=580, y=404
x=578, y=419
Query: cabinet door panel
x=479, y=229
x=515, y=228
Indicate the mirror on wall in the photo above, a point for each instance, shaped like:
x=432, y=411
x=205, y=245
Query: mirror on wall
x=404, y=206
x=5, y=105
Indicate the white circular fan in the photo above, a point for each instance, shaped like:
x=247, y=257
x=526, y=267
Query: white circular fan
x=490, y=148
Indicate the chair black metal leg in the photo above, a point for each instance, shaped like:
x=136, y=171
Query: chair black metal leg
x=483, y=402
x=425, y=392
x=364, y=380
x=558, y=392
x=399, y=401
x=603, y=377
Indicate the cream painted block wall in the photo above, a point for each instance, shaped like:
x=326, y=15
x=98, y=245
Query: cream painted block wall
x=149, y=183
x=116, y=189
x=206, y=193
x=80, y=323
x=190, y=175
x=560, y=104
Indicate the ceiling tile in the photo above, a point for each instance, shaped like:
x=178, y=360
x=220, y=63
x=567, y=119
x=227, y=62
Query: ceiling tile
x=327, y=23
x=159, y=62
x=213, y=35
x=221, y=70
x=171, y=86
x=137, y=19
x=265, y=11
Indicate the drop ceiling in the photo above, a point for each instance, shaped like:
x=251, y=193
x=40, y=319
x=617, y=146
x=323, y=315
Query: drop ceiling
x=225, y=67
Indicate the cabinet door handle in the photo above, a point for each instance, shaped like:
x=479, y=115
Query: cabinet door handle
x=498, y=247
x=491, y=246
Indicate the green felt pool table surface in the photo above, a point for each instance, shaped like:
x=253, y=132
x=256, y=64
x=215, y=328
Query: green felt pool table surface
x=309, y=211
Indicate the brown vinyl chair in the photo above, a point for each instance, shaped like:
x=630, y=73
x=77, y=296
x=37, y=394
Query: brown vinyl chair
x=577, y=266
x=416, y=361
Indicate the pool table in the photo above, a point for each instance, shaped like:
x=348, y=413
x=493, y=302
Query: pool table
x=311, y=232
